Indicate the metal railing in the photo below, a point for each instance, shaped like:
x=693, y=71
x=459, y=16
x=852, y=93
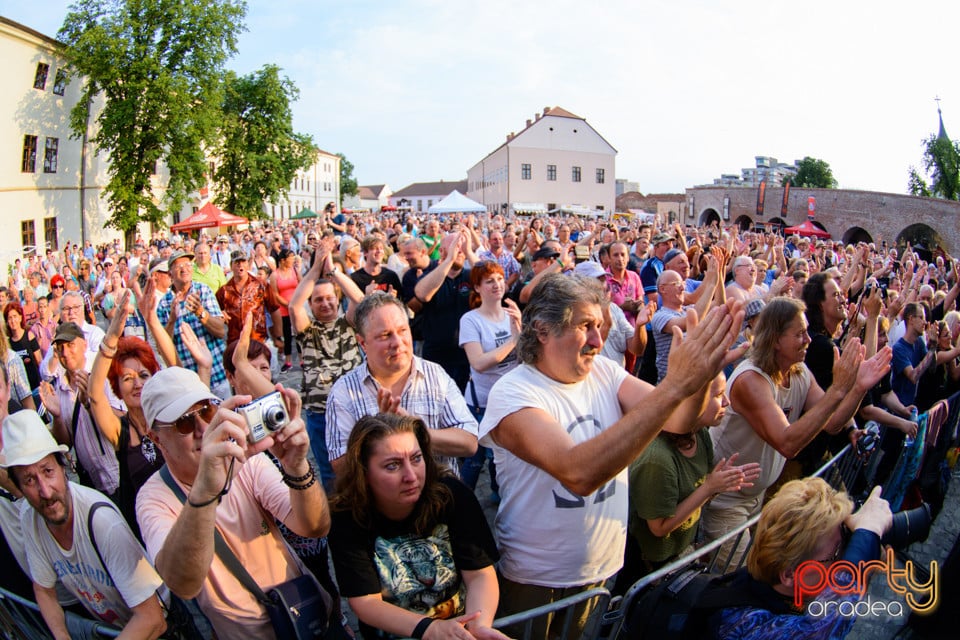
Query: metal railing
x=839, y=472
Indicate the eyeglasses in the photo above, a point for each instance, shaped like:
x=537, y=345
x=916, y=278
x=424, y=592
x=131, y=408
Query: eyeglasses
x=187, y=423
x=57, y=286
x=73, y=308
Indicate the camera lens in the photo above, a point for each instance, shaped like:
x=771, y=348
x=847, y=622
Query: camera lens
x=274, y=418
x=908, y=527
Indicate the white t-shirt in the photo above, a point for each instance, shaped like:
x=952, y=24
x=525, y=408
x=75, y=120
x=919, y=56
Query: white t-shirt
x=615, y=346
x=79, y=567
x=476, y=328
x=546, y=534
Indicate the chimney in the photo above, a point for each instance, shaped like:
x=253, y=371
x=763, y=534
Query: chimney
x=537, y=116
x=529, y=122
x=546, y=110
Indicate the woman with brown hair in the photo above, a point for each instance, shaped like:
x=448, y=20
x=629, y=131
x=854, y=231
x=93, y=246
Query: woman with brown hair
x=411, y=547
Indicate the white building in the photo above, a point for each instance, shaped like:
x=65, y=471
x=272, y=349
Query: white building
x=767, y=168
x=420, y=196
x=313, y=188
x=52, y=183
x=558, y=160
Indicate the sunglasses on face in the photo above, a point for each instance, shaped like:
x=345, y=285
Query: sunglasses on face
x=187, y=423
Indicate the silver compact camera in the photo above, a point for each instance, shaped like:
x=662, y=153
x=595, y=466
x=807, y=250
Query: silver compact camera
x=264, y=416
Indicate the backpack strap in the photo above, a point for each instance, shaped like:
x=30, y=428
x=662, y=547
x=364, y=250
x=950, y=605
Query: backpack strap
x=93, y=538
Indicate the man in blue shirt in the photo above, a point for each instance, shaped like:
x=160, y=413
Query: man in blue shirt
x=910, y=355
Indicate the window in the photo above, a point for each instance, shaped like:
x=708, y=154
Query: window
x=429, y=203
x=576, y=174
x=601, y=175
x=50, y=233
x=552, y=172
x=28, y=234
x=599, y=207
x=551, y=206
x=29, y=163
x=50, y=155
x=525, y=171
x=60, y=82
x=40, y=80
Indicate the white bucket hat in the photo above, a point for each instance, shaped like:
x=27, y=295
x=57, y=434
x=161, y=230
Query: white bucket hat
x=26, y=440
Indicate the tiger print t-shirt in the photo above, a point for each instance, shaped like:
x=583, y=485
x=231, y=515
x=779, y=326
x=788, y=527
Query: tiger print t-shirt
x=417, y=573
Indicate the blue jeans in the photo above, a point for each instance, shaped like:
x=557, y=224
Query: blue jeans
x=471, y=467
x=317, y=431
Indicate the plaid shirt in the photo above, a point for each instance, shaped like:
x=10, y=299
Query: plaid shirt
x=429, y=394
x=216, y=345
x=505, y=260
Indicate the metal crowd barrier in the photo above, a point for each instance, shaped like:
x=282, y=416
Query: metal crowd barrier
x=20, y=619
x=564, y=607
x=839, y=472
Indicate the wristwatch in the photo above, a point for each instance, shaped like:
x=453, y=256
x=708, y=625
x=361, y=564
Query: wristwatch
x=202, y=315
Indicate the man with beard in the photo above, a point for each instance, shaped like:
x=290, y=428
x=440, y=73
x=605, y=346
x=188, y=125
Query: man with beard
x=111, y=577
x=564, y=426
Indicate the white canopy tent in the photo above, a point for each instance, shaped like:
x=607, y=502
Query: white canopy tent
x=456, y=202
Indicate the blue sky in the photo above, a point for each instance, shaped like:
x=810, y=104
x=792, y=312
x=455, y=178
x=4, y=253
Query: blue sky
x=420, y=90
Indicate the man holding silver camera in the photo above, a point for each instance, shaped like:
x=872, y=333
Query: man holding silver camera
x=228, y=487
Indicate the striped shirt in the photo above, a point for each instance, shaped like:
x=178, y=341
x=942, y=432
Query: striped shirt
x=429, y=394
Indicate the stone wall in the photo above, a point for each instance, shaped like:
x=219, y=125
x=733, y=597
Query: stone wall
x=842, y=212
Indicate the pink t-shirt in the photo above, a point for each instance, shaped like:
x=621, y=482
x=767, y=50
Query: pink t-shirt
x=630, y=288
x=251, y=533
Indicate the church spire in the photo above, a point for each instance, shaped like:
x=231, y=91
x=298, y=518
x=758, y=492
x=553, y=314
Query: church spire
x=943, y=132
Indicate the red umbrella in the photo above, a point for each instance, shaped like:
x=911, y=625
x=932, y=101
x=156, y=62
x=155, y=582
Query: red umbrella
x=807, y=228
x=209, y=215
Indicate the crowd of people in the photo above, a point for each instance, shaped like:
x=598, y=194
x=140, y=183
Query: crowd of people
x=631, y=388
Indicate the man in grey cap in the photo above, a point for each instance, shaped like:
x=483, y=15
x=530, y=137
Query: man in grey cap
x=97, y=559
x=227, y=486
x=194, y=303
x=243, y=294
x=66, y=400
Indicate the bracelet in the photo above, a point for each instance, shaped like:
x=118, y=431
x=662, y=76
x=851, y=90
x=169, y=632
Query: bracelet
x=107, y=354
x=421, y=628
x=302, y=487
x=287, y=477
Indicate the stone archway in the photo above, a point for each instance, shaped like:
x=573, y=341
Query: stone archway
x=708, y=217
x=919, y=236
x=853, y=235
x=744, y=223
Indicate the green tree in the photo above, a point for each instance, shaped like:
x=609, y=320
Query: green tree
x=348, y=184
x=157, y=65
x=259, y=153
x=812, y=173
x=941, y=162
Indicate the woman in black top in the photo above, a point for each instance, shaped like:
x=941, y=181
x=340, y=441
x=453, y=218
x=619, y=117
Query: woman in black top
x=23, y=342
x=412, y=550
